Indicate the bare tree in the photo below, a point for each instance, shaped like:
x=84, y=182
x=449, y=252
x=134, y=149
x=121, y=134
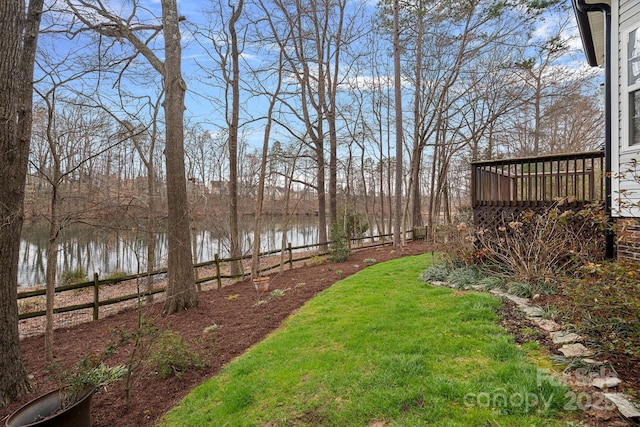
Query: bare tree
x=234, y=80
x=313, y=37
x=66, y=129
x=397, y=85
x=18, y=48
x=181, y=289
x=257, y=229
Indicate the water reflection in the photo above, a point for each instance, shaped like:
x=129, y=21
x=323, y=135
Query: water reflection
x=106, y=251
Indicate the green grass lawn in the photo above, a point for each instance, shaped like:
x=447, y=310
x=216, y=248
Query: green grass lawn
x=381, y=348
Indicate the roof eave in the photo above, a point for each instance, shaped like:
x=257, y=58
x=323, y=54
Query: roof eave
x=591, y=27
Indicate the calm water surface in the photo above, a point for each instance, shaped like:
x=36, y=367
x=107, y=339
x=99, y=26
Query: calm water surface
x=106, y=251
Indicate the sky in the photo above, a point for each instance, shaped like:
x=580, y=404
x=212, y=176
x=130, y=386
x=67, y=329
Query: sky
x=200, y=107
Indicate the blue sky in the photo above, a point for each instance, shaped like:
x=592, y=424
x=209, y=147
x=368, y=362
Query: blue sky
x=201, y=110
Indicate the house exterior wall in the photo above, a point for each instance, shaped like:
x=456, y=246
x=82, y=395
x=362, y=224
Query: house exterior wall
x=625, y=154
x=629, y=239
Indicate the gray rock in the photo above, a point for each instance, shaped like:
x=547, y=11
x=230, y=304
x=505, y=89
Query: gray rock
x=606, y=382
x=531, y=311
x=563, y=337
x=575, y=350
x=547, y=325
x=625, y=407
x=521, y=302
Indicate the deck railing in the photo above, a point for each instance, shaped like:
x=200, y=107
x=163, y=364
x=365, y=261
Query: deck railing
x=538, y=181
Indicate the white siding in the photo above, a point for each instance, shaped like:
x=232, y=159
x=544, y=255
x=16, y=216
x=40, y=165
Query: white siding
x=624, y=185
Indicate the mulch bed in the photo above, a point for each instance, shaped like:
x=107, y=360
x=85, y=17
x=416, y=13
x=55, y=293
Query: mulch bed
x=240, y=324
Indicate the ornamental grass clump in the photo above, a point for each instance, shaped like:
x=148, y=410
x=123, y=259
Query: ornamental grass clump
x=436, y=273
x=464, y=277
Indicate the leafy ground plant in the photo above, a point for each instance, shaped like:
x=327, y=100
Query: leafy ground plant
x=88, y=375
x=172, y=355
x=605, y=305
x=379, y=347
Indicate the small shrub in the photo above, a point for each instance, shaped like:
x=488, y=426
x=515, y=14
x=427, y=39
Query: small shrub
x=491, y=282
x=171, y=354
x=277, y=293
x=89, y=372
x=519, y=289
x=211, y=329
x=316, y=260
x=535, y=247
x=464, y=277
x=436, y=273
x=74, y=276
x=340, y=247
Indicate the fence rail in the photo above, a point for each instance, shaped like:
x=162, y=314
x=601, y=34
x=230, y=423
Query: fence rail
x=94, y=303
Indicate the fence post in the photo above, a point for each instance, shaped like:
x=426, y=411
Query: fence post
x=96, y=296
x=290, y=255
x=216, y=258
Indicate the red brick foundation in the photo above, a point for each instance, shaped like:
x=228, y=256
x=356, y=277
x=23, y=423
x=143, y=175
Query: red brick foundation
x=628, y=239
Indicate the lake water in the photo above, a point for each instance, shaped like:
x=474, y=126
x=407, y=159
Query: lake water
x=106, y=251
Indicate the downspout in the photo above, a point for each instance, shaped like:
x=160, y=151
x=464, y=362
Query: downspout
x=584, y=7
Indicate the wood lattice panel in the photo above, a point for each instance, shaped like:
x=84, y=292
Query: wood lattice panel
x=489, y=219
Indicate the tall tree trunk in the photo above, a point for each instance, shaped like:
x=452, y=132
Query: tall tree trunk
x=257, y=229
x=397, y=219
x=416, y=158
x=332, y=87
x=181, y=288
x=322, y=200
x=151, y=206
x=51, y=271
x=17, y=47
x=236, y=266
x=333, y=166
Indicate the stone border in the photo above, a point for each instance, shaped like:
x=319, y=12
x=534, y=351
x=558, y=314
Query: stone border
x=571, y=346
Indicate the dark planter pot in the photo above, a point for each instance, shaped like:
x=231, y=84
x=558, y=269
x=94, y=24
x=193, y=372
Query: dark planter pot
x=38, y=412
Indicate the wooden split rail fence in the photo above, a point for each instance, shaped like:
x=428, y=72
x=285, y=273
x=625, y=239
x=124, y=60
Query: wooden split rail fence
x=94, y=302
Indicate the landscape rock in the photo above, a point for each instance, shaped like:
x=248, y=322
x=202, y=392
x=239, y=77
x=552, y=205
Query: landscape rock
x=563, y=337
x=522, y=302
x=575, y=350
x=547, y=325
x=606, y=382
x=531, y=311
x=625, y=407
